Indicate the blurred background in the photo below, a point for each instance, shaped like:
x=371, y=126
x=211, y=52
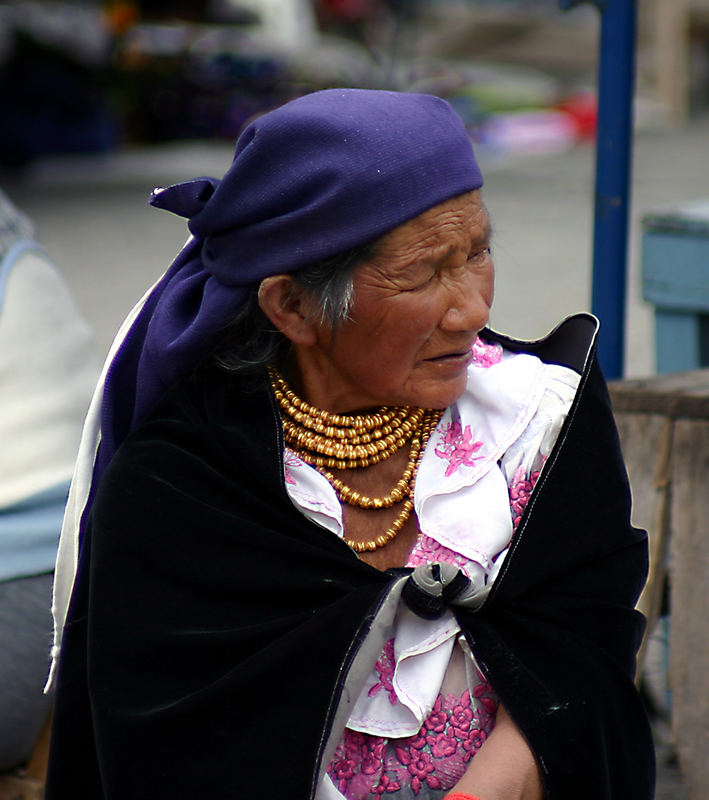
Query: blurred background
x=104, y=100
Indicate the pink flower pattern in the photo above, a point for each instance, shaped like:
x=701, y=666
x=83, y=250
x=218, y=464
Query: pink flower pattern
x=520, y=491
x=420, y=766
x=291, y=460
x=486, y=355
x=428, y=551
x=456, y=447
x=370, y=766
x=386, y=784
x=385, y=669
x=444, y=745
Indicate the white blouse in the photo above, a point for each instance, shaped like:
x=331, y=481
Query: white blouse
x=476, y=475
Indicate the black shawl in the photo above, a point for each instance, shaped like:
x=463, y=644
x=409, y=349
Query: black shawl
x=213, y=628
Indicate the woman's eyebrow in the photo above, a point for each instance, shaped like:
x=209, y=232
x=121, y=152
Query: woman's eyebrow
x=435, y=259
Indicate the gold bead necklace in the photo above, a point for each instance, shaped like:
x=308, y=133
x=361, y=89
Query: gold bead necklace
x=334, y=441
x=342, y=442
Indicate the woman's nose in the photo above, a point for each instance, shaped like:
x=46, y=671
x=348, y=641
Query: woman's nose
x=468, y=308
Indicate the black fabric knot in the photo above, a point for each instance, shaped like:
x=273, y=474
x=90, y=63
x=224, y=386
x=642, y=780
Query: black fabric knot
x=431, y=588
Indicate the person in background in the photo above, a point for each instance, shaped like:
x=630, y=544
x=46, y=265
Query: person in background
x=48, y=367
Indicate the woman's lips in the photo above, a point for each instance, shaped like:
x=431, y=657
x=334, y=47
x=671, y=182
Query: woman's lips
x=448, y=356
x=455, y=360
x=463, y=353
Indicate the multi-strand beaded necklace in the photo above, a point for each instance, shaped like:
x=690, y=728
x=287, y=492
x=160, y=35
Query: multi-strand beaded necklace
x=334, y=441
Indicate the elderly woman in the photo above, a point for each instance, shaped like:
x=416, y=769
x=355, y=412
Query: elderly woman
x=339, y=539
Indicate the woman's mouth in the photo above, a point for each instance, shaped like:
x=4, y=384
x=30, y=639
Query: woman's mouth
x=456, y=359
x=446, y=356
x=460, y=353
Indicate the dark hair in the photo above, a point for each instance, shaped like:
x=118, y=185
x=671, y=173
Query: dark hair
x=250, y=342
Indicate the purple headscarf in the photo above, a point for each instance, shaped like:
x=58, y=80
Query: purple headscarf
x=320, y=175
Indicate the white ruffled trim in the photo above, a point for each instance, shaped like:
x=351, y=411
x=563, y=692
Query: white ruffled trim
x=422, y=651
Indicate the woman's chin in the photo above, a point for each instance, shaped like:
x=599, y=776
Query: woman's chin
x=441, y=392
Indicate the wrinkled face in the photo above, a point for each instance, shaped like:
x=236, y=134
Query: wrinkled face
x=418, y=307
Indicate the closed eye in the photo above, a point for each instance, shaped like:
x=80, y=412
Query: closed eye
x=479, y=255
x=424, y=281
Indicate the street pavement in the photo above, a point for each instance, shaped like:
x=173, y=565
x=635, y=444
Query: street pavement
x=93, y=217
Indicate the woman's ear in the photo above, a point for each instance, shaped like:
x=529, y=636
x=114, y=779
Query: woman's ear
x=288, y=307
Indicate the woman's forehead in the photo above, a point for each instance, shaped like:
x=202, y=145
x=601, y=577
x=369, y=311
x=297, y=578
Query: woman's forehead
x=446, y=228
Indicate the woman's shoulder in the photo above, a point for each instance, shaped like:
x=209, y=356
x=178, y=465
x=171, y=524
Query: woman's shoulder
x=211, y=398
x=208, y=422
x=569, y=344
x=508, y=384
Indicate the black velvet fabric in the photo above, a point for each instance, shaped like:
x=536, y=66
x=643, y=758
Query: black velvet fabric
x=212, y=625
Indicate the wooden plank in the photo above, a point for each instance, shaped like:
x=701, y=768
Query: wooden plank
x=672, y=37
x=695, y=382
x=28, y=784
x=37, y=765
x=647, y=447
x=683, y=394
x=689, y=579
x=17, y=787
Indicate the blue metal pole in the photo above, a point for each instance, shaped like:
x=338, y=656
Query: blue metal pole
x=614, y=144
x=616, y=83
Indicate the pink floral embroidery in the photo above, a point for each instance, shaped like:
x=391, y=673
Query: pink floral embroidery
x=429, y=551
x=482, y=693
x=417, y=742
x=486, y=355
x=385, y=669
x=435, y=757
x=520, y=492
x=436, y=719
x=443, y=745
x=291, y=460
x=462, y=714
x=388, y=785
x=341, y=771
x=358, y=760
x=456, y=447
x=473, y=743
x=372, y=757
x=420, y=768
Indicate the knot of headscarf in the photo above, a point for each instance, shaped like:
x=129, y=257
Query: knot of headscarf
x=432, y=588
x=318, y=176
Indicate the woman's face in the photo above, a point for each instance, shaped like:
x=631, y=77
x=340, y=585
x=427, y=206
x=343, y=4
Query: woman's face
x=418, y=307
